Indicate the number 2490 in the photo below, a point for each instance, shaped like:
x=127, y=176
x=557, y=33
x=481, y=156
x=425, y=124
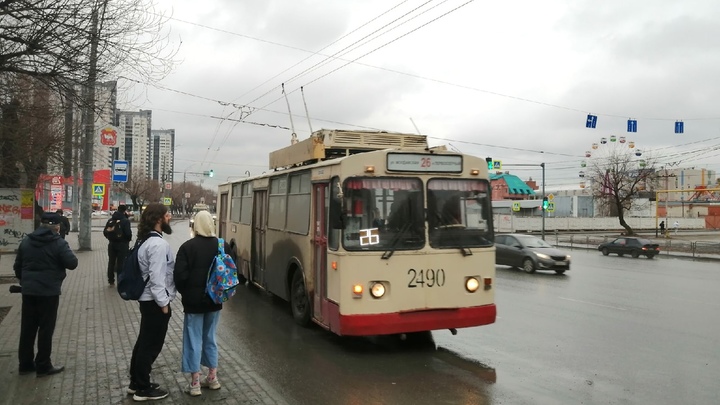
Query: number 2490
x=426, y=278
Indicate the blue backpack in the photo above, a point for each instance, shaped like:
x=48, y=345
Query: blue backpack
x=222, y=276
x=131, y=283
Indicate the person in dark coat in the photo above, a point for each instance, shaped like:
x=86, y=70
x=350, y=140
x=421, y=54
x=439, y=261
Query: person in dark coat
x=192, y=265
x=40, y=265
x=64, y=224
x=118, y=249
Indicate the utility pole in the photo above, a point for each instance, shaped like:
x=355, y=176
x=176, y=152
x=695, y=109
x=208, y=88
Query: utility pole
x=85, y=237
x=543, y=194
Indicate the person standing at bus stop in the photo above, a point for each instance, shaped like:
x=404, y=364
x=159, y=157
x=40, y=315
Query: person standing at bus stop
x=194, y=259
x=118, y=242
x=40, y=265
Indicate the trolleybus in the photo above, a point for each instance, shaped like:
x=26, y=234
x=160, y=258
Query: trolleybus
x=367, y=233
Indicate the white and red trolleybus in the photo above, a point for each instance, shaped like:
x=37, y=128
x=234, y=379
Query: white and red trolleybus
x=368, y=233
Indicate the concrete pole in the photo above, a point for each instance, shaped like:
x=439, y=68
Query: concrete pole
x=543, y=194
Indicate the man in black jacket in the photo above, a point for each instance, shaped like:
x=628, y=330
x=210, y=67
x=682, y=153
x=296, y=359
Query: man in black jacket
x=119, y=242
x=64, y=224
x=40, y=266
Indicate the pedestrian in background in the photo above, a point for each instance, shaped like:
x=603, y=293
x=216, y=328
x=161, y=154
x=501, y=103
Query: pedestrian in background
x=194, y=260
x=157, y=263
x=662, y=228
x=676, y=225
x=40, y=265
x=118, y=241
x=64, y=224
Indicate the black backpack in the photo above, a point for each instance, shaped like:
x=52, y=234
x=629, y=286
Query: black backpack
x=113, y=230
x=131, y=283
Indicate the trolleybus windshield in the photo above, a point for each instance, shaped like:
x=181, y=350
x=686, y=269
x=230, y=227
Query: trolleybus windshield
x=388, y=214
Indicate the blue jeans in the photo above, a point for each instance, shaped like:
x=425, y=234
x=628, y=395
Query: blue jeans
x=199, y=346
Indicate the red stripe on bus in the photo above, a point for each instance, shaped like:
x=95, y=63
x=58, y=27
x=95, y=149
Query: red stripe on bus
x=418, y=321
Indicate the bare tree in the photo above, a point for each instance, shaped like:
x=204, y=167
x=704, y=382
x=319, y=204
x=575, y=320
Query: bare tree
x=49, y=40
x=140, y=188
x=618, y=177
x=30, y=133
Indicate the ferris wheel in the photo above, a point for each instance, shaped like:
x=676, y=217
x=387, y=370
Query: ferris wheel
x=603, y=150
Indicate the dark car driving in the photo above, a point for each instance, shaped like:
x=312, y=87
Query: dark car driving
x=529, y=253
x=634, y=247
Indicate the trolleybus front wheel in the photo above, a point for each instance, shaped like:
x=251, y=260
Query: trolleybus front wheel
x=299, y=300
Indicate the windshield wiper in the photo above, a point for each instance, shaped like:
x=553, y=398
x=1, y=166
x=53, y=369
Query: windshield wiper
x=388, y=253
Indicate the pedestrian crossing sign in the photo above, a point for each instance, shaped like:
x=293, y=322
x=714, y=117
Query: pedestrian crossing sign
x=98, y=189
x=167, y=201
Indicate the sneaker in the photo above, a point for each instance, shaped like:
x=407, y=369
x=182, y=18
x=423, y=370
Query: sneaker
x=150, y=394
x=213, y=384
x=193, y=390
x=132, y=388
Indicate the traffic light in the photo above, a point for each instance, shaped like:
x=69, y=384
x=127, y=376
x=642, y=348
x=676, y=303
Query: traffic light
x=546, y=203
x=211, y=173
x=489, y=163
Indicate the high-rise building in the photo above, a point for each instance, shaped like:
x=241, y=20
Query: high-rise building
x=162, y=156
x=134, y=129
x=106, y=106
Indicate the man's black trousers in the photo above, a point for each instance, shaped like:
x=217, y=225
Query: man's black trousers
x=39, y=314
x=117, y=251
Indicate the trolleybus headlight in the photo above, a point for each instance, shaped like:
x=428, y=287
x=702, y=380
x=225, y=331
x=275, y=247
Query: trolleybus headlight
x=472, y=284
x=357, y=291
x=377, y=290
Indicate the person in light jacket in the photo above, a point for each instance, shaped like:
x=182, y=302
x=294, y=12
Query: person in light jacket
x=157, y=263
x=194, y=259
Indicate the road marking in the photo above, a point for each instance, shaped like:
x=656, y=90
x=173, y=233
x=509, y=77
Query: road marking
x=593, y=303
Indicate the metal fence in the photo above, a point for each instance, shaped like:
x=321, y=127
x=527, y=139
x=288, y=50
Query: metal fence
x=684, y=248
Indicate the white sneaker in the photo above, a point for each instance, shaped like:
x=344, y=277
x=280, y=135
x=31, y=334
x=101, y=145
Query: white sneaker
x=193, y=390
x=213, y=384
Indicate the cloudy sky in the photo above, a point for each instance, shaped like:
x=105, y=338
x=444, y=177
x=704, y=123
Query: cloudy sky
x=513, y=80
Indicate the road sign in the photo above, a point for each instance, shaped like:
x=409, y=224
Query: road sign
x=551, y=207
x=168, y=186
x=120, y=168
x=516, y=206
x=550, y=196
x=497, y=164
x=187, y=195
x=98, y=189
x=167, y=201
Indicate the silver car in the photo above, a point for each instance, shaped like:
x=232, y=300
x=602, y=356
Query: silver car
x=529, y=253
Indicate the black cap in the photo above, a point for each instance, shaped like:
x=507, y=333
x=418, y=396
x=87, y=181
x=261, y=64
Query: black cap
x=122, y=208
x=50, y=218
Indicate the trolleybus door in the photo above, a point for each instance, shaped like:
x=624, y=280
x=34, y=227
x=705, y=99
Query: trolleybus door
x=258, y=238
x=222, y=215
x=320, y=252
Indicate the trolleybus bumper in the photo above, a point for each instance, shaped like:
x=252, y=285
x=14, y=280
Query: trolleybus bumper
x=415, y=321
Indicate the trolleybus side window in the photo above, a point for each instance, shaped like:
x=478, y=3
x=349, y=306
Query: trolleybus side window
x=298, y=220
x=278, y=203
x=246, y=209
x=235, y=203
x=335, y=214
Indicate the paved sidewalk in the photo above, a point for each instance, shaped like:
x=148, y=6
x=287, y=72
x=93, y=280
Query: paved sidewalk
x=94, y=336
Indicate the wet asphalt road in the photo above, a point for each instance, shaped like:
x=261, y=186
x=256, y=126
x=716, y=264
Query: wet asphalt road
x=611, y=331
